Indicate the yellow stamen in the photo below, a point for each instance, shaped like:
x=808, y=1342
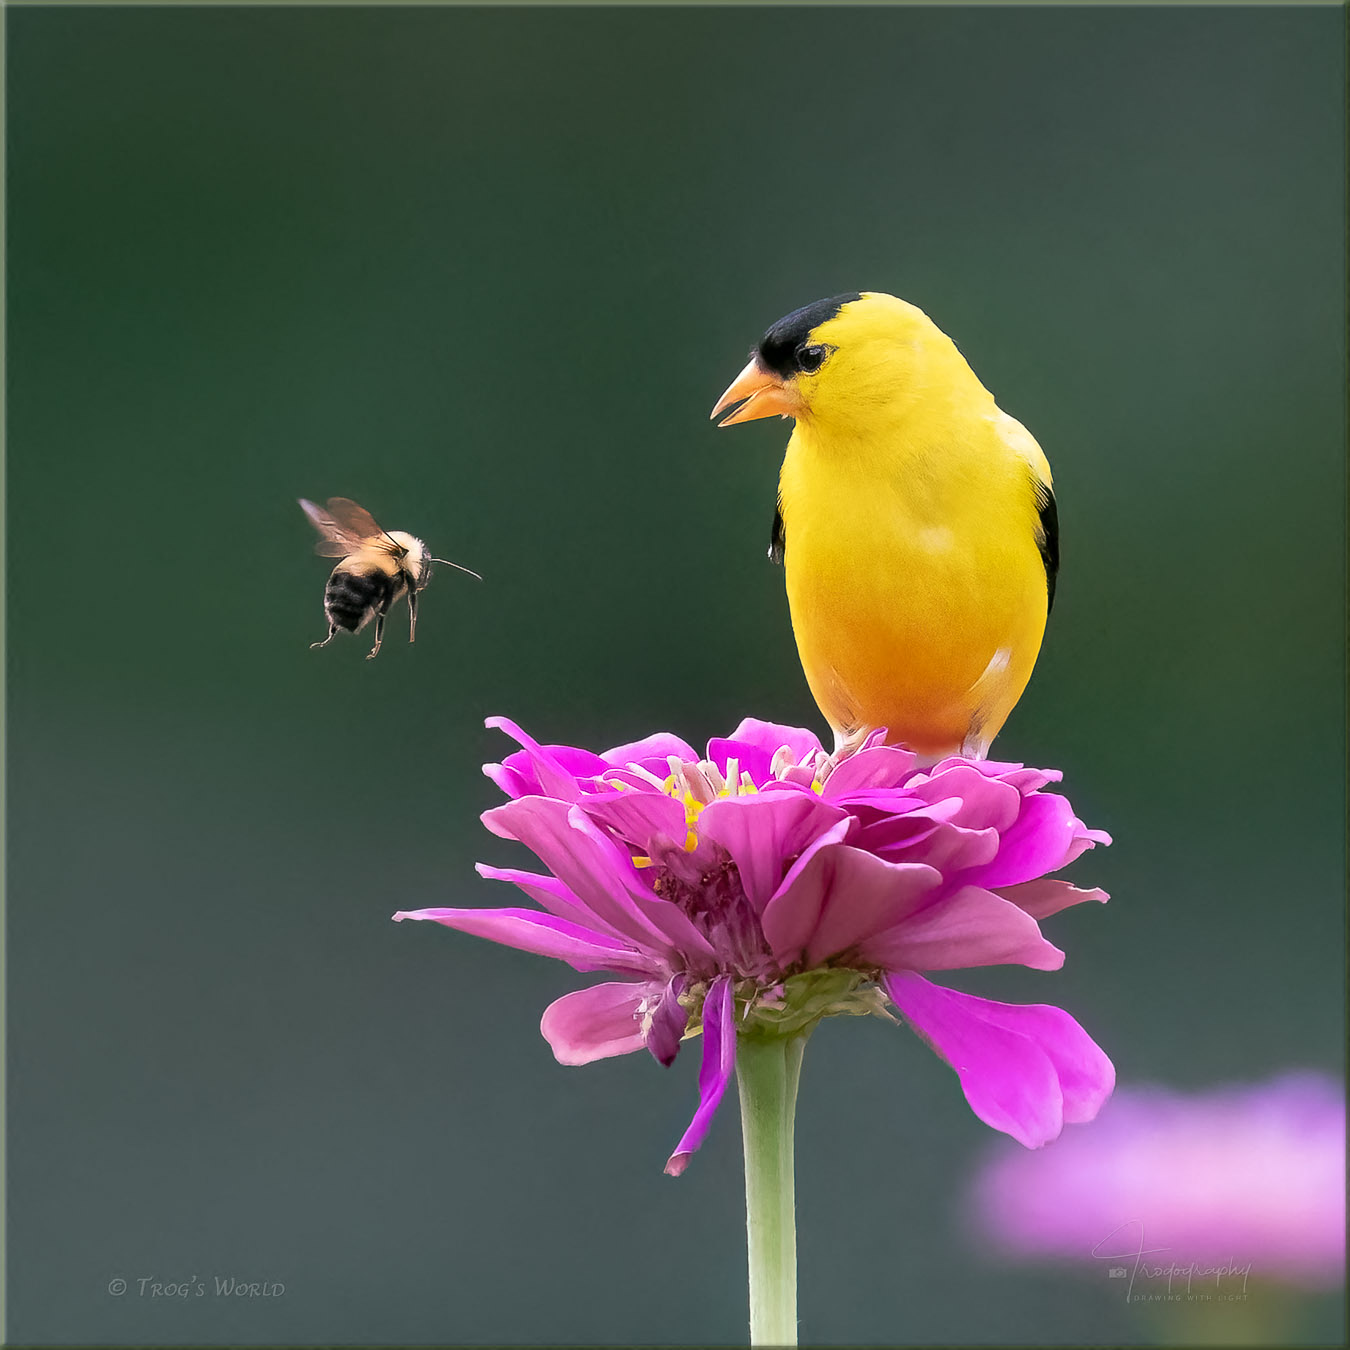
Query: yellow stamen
x=736, y=783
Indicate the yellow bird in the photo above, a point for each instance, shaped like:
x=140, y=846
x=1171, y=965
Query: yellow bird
x=915, y=519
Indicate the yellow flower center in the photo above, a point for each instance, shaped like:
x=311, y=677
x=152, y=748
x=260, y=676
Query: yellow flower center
x=695, y=786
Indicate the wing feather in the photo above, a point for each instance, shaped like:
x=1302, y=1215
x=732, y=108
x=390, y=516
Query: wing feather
x=777, y=536
x=1047, y=538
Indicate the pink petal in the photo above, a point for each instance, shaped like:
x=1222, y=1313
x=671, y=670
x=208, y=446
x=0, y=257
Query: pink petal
x=669, y=924
x=512, y=781
x=884, y=766
x=675, y=932
x=596, y=1023
x=1024, y=779
x=950, y=848
x=877, y=805
x=970, y=927
x=772, y=736
x=692, y=950
x=1037, y=843
x=1027, y=780
x=519, y=773
x=892, y=828
x=669, y=1019
x=895, y=838
x=1084, y=839
x=840, y=898
x=640, y=818
x=798, y=775
x=658, y=747
x=719, y=1060
x=529, y=931
x=799, y=902
x=666, y=924
x=593, y=868
x=556, y=768
x=985, y=802
x=765, y=832
x=550, y=894
x=750, y=758
x=1045, y=897
x=1024, y=1069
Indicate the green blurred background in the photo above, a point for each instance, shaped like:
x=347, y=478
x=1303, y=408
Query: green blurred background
x=486, y=272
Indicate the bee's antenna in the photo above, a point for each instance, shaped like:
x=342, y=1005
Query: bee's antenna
x=457, y=566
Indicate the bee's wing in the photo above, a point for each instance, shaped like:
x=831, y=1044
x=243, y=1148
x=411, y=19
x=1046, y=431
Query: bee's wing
x=344, y=527
x=334, y=541
x=355, y=520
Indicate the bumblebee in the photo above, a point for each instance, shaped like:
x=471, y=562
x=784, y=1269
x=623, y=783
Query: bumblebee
x=377, y=568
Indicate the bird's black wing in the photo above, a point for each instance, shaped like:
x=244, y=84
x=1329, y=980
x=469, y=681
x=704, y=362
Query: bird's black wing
x=1047, y=538
x=777, y=538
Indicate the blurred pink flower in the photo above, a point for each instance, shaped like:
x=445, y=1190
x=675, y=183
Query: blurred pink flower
x=765, y=885
x=1236, y=1177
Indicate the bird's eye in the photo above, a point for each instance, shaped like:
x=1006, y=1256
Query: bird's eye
x=810, y=359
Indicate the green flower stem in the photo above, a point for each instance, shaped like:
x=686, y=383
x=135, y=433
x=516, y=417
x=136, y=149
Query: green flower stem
x=767, y=1069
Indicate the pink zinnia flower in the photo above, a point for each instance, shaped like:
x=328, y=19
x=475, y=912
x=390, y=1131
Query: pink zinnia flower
x=1245, y=1179
x=765, y=885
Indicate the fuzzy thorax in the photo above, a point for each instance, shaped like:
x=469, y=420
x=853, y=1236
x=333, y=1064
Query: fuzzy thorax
x=417, y=559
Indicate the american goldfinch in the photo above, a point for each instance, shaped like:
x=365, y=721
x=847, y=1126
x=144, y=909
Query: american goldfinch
x=916, y=522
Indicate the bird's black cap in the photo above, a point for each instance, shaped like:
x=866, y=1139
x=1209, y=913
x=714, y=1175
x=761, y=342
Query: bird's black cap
x=777, y=349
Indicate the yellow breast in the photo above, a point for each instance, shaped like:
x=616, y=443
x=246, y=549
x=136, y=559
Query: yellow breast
x=914, y=577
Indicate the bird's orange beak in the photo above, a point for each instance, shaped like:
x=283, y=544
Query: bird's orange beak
x=760, y=394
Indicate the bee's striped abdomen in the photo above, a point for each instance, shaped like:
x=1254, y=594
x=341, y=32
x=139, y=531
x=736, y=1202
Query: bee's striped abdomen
x=350, y=598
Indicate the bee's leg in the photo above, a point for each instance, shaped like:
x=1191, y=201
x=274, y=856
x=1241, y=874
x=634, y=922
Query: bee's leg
x=412, y=616
x=332, y=633
x=379, y=637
